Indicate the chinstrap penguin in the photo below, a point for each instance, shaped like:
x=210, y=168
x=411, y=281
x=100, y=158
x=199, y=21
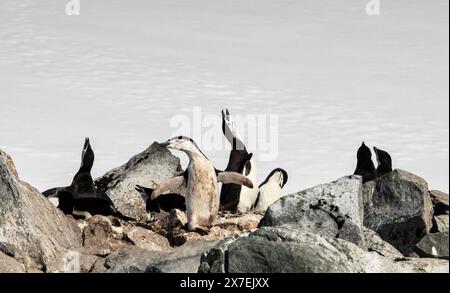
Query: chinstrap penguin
x=164, y=203
x=200, y=183
x=365, y=167
x=235, y=197
x=82, y=198
x=384, y=161
x=270, y=189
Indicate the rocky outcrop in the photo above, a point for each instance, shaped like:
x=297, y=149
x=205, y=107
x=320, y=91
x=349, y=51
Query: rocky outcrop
x=398, y=207
x=183, y=259
x=283, y=249
x=40, y=233
x=148, y=169
x=433, y=245
x=333, y=210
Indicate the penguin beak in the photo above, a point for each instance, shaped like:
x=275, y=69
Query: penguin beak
x=164, y=144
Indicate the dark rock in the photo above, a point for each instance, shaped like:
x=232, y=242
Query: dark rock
x=373, y=242
x=333, y=210
x=148, y=169
x=283, y=249
x=398, y=207
x=32, y=224
x=440, y=202
x=433, y=245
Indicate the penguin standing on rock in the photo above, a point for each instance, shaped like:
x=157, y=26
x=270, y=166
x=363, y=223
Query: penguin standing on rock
x=82, y=198
x=200, y=183
x=235, y=197
x=365, y=167
x=271, y=189
x=384, y=161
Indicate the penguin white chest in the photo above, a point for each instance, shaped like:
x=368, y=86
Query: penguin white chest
x=268, y=194
x=202, y=199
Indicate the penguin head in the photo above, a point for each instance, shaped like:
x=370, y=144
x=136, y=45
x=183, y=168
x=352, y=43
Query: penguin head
x=278, y=176
x=181, y=143
x=384, y=160
x=364, y=152
x=87, y=156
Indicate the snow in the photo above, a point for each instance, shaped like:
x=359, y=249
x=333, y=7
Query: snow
x=121, y=70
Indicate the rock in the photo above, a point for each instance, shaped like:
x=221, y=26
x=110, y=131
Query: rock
x=10, y=265
x=440, y=224
x=438, y=241
x=333, y=210
x=148, y=169
x=283, y=249
x=245, y=222
x=31, y=223
x=398, y=207
x=147, y=239
x=165, y=222
x=440, y=202
x=87, y=262
x=373, y=242
x=214, y=260
x=422, y=265
x=99, y=266
x=98, y=235
x=183, y=259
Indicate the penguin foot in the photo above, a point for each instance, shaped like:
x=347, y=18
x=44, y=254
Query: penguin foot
x=86, y=215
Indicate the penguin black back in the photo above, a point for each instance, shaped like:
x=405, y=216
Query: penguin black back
x=163, y=203
x=230, y=193
x=365, y=167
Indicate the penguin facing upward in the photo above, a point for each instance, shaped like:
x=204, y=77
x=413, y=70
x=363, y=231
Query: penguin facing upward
x=384, y=161
x=200, y=182
x=235, y=197
x=365, y=167
x=82, y=198
x=271, y=189
x=164, y=203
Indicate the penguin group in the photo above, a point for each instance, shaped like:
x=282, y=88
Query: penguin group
x=195, y=191
x=365, y=166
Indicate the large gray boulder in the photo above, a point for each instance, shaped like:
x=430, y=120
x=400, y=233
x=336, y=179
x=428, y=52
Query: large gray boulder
x=334, y=210
x=148, y=169
x=40, y=233
x=433, y=245
x=183, y=259
x=398, y=207
x=284, y=249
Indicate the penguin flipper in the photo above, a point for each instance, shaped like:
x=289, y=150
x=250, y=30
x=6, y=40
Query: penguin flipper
x=175, y=184
x=53, y=192
x=228, y=177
